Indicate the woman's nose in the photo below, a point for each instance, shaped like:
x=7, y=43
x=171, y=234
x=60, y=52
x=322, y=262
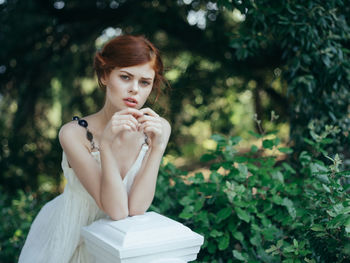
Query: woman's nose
x=134, y=87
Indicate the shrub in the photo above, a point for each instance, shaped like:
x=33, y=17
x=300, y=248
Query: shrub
x=254, y=208
x=17, y=215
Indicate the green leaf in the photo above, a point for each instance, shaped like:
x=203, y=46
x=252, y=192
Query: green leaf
x=323, y=178
x=256, y=135
x=272, y=132
x=345, y=210
x=223, y=214
x=238, y=255
x=187, y=212
x=331, y=213
x=215, y=233
x=271, y=249
x=317, y=167
x=214, y=176
x=185, y=215
x=312, y=143
x=198, y=178
x=343, y=173
x=304, y=157
x=203, y=218
x=212, y=247
x=280, y=243
x=242, y=214
x=240, y=159
x=235, y=140
x=207, y=157
x=338, y=221
x=256, y=240
x=254, y=149
x=290, y=207
x=253, y=168
x=276, y=141
x=186, y=200
x=288, y=168
x=198, y=205
x=218, y=138
x=277, y=175
x=243, y=170
x=317, y=228
x=290, y=260
x=326, y=188
x=347, y=226
x=295, y=243
x=238, y=235
x=289, y=249
x=277, y=199
x=268, y=234
x=268, y=144
x=285, y=150
x=327, y=141
x=309, y=260
x=224, y=242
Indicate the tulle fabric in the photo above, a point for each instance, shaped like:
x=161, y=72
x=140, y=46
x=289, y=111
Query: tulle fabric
x=54, y=236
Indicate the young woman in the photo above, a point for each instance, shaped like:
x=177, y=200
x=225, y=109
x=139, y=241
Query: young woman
x=110, y=158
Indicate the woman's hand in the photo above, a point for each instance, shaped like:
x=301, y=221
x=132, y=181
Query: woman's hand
x=124, y=120
x=152, y=126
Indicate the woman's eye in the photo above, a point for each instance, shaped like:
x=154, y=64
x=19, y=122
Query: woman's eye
x=145, y=83
x=125, y=77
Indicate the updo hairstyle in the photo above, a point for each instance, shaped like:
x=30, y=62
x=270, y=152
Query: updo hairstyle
x=128, y=51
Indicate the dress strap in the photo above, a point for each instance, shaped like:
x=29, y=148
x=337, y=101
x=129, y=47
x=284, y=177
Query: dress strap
x=89, y=135
x=146, y=139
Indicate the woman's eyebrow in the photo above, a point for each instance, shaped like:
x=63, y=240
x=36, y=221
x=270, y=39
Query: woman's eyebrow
x=133, y=75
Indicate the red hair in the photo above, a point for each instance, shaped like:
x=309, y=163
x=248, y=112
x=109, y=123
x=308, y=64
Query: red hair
x=128, y=51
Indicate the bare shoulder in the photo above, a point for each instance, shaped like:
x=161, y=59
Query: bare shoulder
x=166, y=124
x=71, y=134
x=166, y=127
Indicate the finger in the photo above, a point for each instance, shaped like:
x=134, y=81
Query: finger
x=153, y=130
x=117, y=129
x=125, y=117
x=147, y=118
x=150, y=112
x=147, y=124
x=121, y=123
x=130, y=111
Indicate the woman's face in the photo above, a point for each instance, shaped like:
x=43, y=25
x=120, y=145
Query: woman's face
x=130, y=86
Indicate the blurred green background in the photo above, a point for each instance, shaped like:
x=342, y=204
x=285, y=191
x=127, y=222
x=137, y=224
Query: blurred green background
x=226, y=60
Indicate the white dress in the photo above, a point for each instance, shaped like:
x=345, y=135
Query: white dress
x=54, y=235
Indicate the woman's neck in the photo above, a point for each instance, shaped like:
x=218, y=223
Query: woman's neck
x=106, y=113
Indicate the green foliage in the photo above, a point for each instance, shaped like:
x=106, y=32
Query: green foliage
x=253, y=208
x=327, y=204
x=312, y=39
x=219, y=72
x=17, y=214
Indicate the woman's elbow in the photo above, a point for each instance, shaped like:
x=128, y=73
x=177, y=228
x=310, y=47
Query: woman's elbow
x=135, y=211
x=119, y=215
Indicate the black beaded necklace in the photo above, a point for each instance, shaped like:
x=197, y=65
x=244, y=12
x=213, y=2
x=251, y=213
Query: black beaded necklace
x=89, y=135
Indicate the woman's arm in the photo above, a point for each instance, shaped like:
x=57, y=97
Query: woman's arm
x=143, y=188
x=103, y=184
x=94, y=179
x=113, y=194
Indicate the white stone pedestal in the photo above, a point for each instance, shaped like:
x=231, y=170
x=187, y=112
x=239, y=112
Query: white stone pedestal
x=148, y=238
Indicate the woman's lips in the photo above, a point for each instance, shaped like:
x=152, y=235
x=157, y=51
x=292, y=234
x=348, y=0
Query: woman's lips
x=130, y=102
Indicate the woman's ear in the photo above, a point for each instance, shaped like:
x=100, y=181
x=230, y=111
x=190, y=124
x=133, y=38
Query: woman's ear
x=104, y=79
